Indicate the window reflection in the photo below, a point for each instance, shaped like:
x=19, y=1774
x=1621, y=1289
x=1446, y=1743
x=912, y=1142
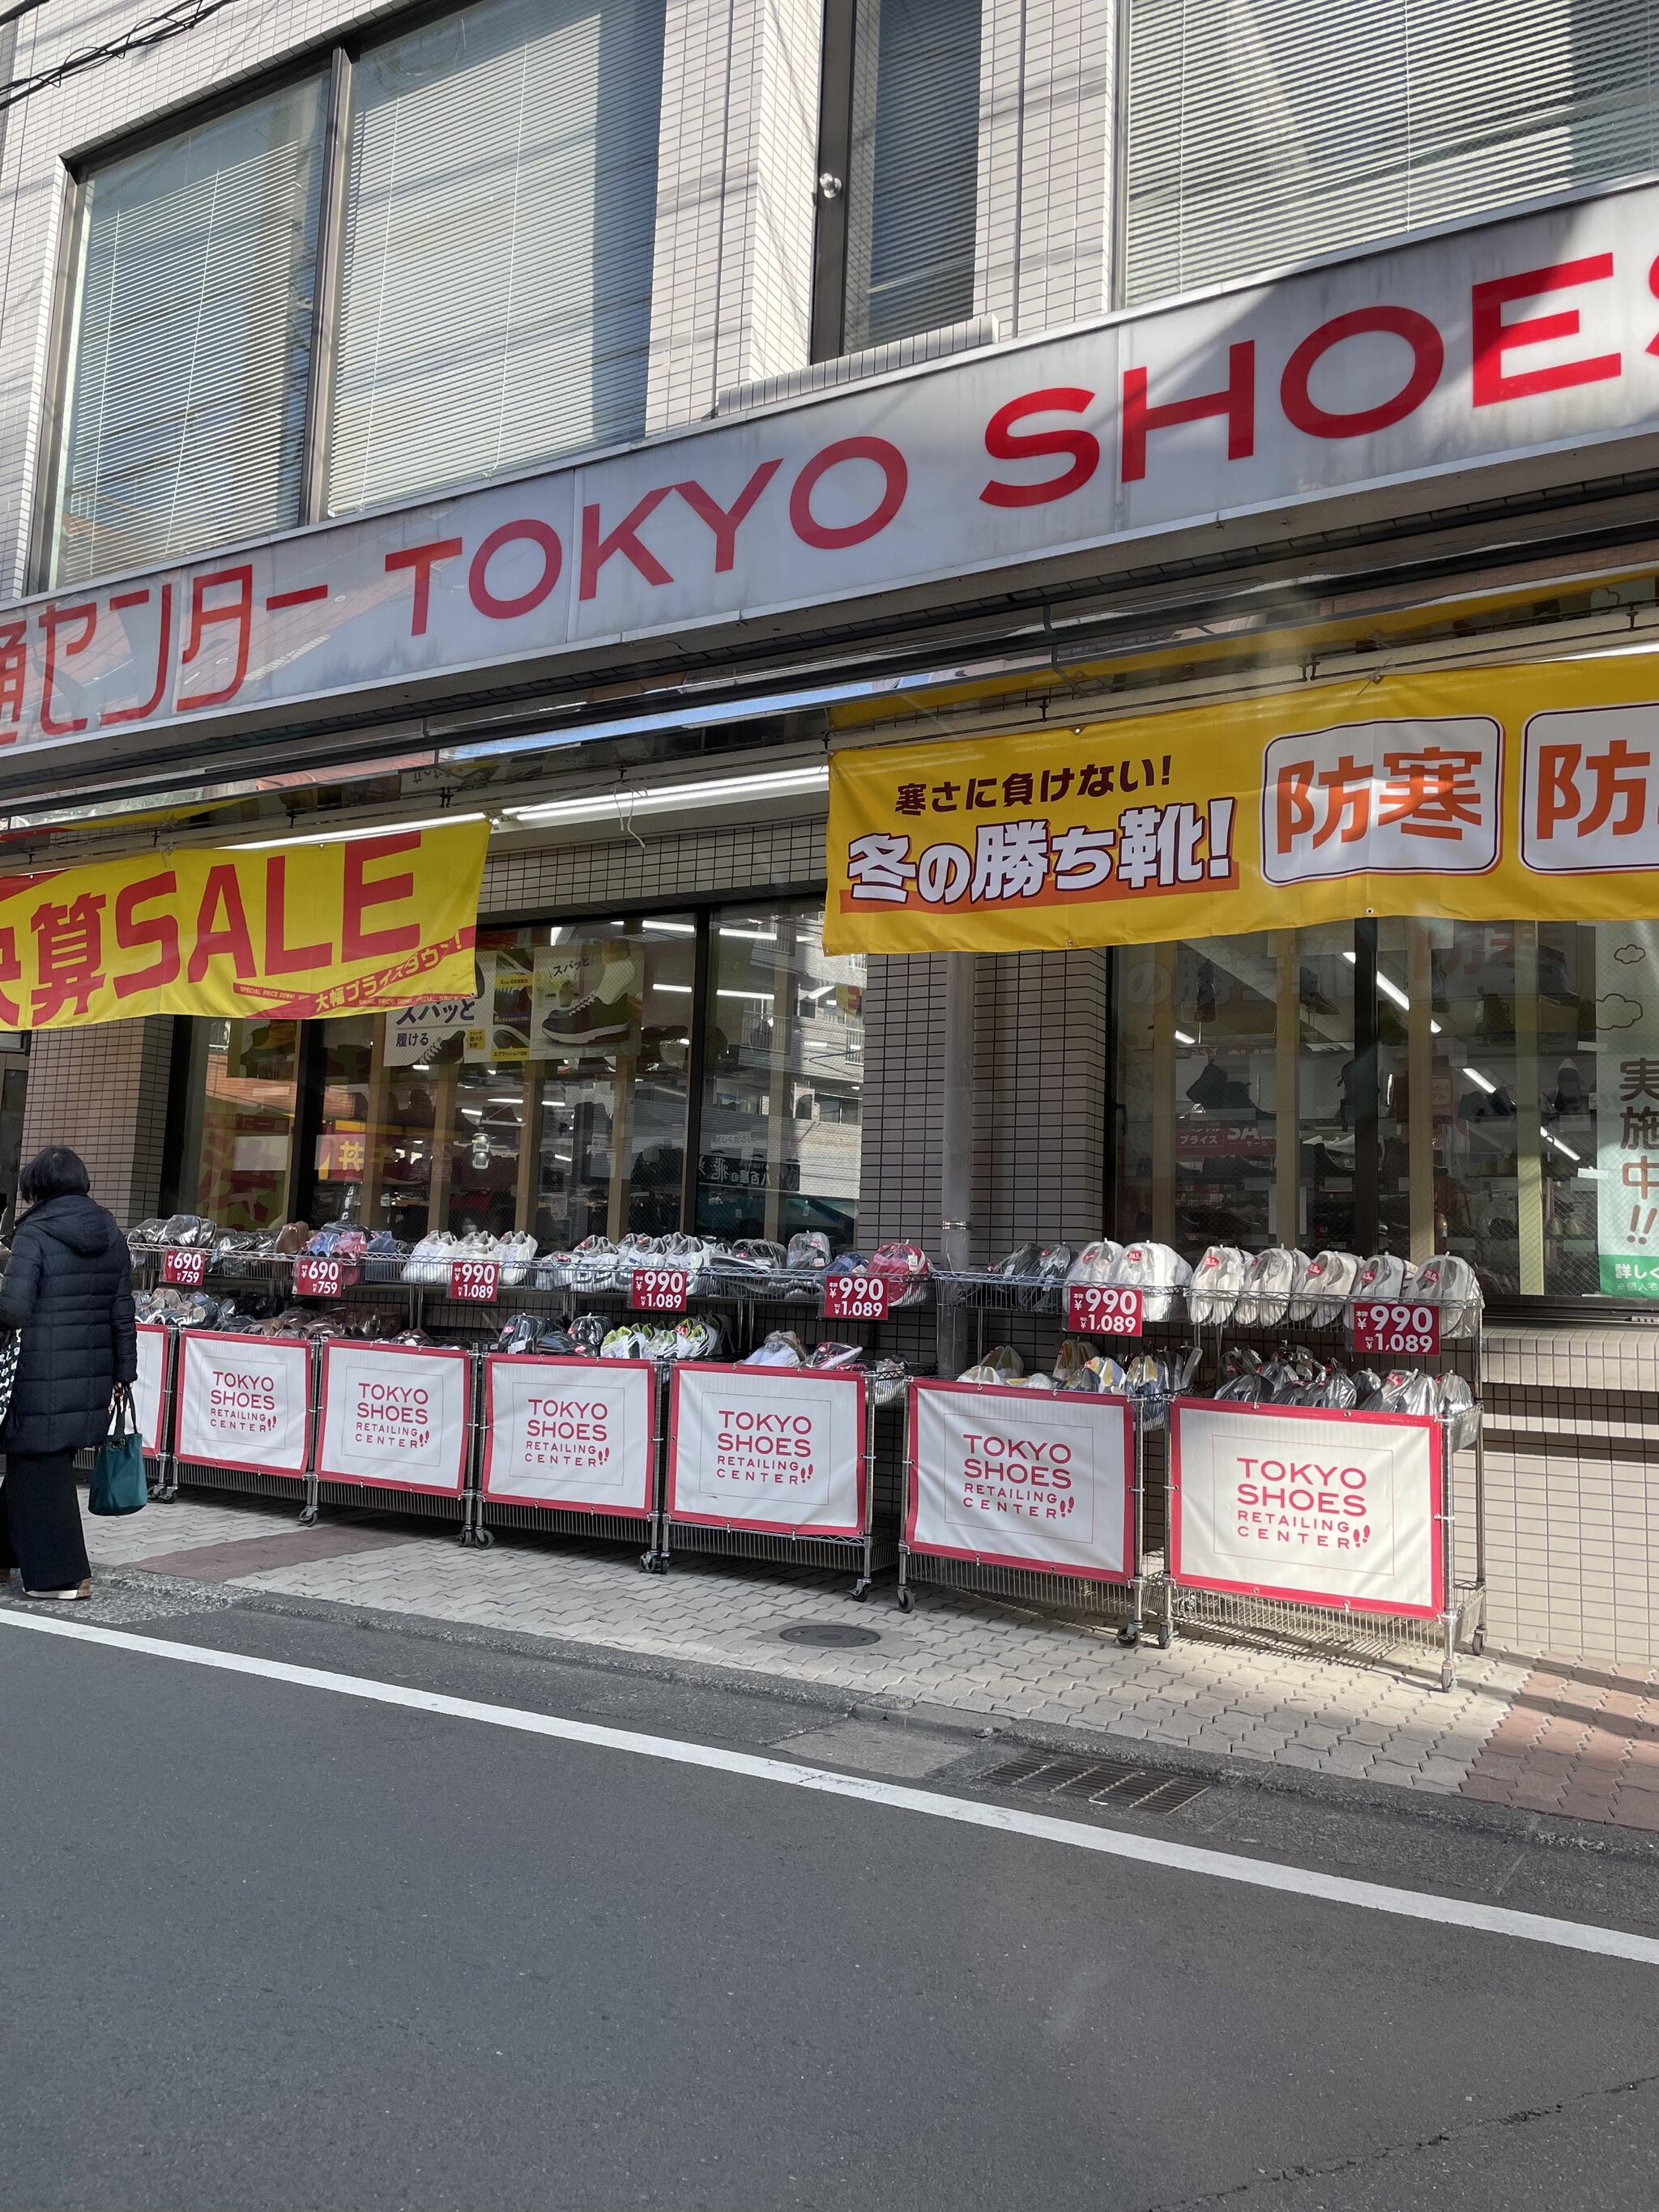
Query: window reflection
x=783, y=1099
x=239, y=1127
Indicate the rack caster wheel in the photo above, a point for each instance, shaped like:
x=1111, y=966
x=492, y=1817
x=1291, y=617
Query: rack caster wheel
x=1478, y=1642
x=860, y=1590
x=308, y=1518
x=1165, y=1638
x=907, y=1603
x=1129, y=1635
x=645, y=1563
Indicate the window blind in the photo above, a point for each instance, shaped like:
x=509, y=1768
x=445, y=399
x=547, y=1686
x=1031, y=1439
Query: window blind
x=496, y=280
x=912, y=189
x=190, y=341
x=1264, y=132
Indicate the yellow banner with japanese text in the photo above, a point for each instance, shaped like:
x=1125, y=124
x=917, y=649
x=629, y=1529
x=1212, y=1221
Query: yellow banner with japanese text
x=1497, y=793
x=303, y=932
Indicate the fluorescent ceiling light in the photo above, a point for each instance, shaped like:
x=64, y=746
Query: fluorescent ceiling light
x=1182, y=1037
x=764, y=997
x=673, y=929
x=1560, y=1147
x=345, y=836
x=1392, y=990
x=1475, y=1076
x=635, y=799
x=685, y=989
x=755, y=936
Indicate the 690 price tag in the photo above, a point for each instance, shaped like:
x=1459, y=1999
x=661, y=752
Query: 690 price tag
x=659, y=1290
x=476, y=1281
x=856, y=1298
x=1100, y=1310
x=1388, y=1328
x=315, y=1276
x=187, y=1268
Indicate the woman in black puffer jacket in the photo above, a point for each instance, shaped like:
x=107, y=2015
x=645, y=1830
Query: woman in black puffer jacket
x=67, y=1286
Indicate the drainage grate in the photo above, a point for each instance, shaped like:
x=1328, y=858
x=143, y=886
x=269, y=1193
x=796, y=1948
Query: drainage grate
x=830, y=1633
x=1099, y=1781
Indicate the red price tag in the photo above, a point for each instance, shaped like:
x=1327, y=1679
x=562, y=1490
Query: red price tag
x=659, y=1290
x=1386, y=1327
x=1098, y=1310
x=188, y=1268
x=317, y=1278
x=477, y=1280
x=856, y=1298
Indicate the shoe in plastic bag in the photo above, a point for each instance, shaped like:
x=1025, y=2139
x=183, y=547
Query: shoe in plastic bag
x=1381, y=1276
x=808, y=1253
x=906, y=1268
x=1458, y=1410
x=1405, y=1390
x=1323, y=1299
x=1217, y=1281
x=1274, y=1278
x=1160, y=1275
x=782, y=1348
x=1447, y=1282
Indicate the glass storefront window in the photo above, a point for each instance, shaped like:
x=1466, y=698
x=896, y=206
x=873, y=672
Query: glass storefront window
x=782, y=1094
x=1235, y=1090
x=239, y=1132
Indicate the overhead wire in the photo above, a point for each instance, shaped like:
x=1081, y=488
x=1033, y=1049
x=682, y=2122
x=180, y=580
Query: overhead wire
x=170, y=23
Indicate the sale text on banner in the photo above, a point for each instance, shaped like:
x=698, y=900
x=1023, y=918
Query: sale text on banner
x=570, y=1433
x=770, y=1449
x=394, y=1417
x=1338, y=1510
x=307, y=933
x=244, y=1401
x=1484, y=794
x=147, y=1391
x=1022, y=1479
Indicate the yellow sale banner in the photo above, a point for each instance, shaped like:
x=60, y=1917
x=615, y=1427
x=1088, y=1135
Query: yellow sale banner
x=304, y=932
x=1486, y=794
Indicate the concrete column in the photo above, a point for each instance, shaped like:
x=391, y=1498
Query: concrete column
x=103, y=1092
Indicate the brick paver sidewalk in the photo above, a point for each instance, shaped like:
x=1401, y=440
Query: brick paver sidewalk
x=1549, y=1739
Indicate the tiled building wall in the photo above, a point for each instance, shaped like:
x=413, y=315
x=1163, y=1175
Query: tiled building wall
x=747, y=859
x=104, y=1093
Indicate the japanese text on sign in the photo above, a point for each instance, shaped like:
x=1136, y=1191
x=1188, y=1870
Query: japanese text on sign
x=1391, y=1330
x=1480, y=794
x=188, y=1269
x=1103, y=1309
x=856, y=1298
x=657, y=1290
x=475, y=1282
x=315, y=1276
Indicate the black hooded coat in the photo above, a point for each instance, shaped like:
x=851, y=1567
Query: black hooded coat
x=67, y=1286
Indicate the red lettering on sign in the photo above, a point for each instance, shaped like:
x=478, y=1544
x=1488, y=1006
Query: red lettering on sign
x=281, y=958
x=1494, y=337
x=831, y=536
x=725, y=521
x=134, y=930
x=118, y=604
x=1003, y=444
x=532, y=532
x=52, y=620
x=421, y=559
x=222, y=889
x=597, y=549
x=357, y=942
x=1237, y=401
x=238, y=610
x=1428, y=359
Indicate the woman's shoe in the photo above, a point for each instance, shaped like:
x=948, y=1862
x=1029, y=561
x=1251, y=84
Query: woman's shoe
x=63, y=1596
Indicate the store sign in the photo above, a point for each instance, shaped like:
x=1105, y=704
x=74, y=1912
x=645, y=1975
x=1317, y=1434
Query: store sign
x=149, y=1391
x=475, y=1282
x=659, y=1290
x=773, y=1449
x=1477, y=795
x=394, y=1416
x=244, y=1401
x=1393, y=1328
x=575, y=1434
x=317, y=1276
x=1338, y=1510
x=185, y=1269
x=1627, y=1109
x=301, y=935
x=1022, y=1479
x=1103, y=1309
x=857, y=1298
x=1526, y=338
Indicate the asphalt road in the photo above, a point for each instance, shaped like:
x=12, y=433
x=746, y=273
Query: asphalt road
x=269, y=1947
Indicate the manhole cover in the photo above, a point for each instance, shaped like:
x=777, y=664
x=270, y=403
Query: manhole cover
x=838, y=1637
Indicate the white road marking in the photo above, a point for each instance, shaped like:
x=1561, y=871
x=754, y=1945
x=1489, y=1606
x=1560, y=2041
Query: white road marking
x=1110, y=1843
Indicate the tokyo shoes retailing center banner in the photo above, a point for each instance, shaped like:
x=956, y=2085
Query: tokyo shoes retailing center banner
x=1486, y=794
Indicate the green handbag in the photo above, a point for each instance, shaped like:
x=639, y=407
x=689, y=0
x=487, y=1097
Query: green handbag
x=118, y=1483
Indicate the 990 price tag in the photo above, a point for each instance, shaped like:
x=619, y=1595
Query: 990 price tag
x=1098, y=1310
x=476, y=1280
x=1388, y=1328
x=659, y=1290
x=187, y=1268
x=315, y=1276
x=856, y=1298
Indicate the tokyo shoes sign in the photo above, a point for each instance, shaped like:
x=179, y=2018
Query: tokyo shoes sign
x=1527, y=341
